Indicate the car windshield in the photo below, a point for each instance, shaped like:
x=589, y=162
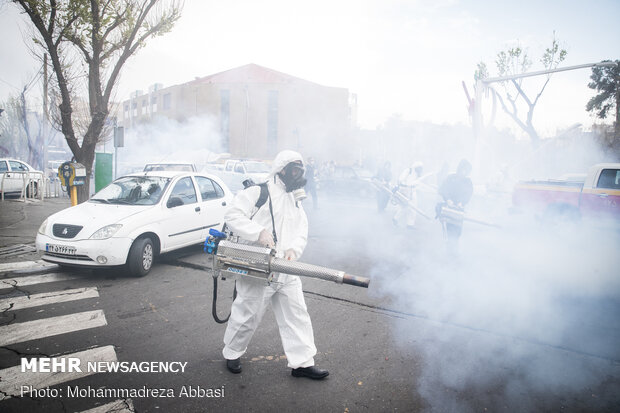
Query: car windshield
x=256, y=167
x=133, y=190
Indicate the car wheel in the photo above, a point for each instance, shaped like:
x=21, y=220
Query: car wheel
x=32, y=190
x=141, y=256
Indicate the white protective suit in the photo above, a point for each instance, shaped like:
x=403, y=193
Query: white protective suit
x=407, y=185
x=286, y=296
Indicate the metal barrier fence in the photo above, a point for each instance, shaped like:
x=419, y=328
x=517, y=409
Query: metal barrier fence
x=53, y=189
x=30, y=185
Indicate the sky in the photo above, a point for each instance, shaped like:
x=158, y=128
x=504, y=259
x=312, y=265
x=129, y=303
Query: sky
x=400, y=57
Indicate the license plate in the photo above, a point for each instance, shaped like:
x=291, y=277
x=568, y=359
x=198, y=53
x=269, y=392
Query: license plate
x=60, y=249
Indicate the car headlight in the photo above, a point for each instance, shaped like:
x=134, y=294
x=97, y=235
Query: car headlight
x=106, y=232
x=43, y=227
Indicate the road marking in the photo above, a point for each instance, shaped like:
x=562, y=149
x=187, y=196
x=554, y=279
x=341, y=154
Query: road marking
x=12, y=378
x=53, y=326
x=35, y=300
x=16, y=250
x=35, y=279
x=11, y=266
x=117, y=406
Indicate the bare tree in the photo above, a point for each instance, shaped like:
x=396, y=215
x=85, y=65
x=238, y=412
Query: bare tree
x=21, y=130
x=13, y=141
x=515, y=61
x=101, y=36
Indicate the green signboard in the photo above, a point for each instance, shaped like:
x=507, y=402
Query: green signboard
x=103, y=170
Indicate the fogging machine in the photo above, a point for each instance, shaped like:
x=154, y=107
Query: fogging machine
x=454, y=215
x=233, y=259
x=397, y=197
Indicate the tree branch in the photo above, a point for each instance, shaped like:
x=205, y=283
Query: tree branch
x=50, y=27
x=512, y=115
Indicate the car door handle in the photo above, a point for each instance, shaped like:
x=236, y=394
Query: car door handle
x=197, y=209
x=603, y=195
x=224, y=203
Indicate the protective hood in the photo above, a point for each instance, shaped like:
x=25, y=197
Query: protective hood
x=283, y=159
x=290, y=163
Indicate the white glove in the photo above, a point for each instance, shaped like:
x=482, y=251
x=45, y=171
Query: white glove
x=265, y=238
x=290, y=255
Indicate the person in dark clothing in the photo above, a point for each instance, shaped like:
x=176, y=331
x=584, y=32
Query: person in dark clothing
x=384, y=176
x=311, y=182
x=456, y=191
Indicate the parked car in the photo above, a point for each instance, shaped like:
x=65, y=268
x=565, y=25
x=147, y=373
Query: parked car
x=134, y=219
x=594, y=195
x=15, y=175
x=170, y=166
x=349, y=181
x=236, y=171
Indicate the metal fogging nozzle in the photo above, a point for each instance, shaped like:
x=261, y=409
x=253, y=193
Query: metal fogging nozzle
x=235, y=259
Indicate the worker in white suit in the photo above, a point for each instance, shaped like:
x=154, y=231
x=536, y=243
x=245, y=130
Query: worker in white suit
x=279, y=223
x=407, y=184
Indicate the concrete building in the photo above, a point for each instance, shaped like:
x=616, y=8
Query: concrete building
x=258, y=111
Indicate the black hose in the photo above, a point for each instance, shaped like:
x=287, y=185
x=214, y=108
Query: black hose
x=214, y=306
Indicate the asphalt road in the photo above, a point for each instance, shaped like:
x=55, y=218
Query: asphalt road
x=519, y=319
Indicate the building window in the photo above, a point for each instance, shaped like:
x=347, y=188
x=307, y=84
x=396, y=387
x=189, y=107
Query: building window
x=225, y=118
x=272, y=122
x=167, y=103
x=153, y=104
x=134, y=108
x=145, y=107
x=126, y=107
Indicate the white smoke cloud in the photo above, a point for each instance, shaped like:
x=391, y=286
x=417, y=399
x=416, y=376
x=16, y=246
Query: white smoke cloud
x=523, y=317
x=518, y=317
x=196, y=140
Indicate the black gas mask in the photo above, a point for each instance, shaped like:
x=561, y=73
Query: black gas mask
x=293, y=176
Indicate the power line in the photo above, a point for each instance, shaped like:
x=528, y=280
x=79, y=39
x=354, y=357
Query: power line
x=8, y=84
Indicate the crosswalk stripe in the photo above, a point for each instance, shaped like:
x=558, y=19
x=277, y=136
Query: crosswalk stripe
x=12, y=379
x=117, y=406
x=54, y=297
x=31, y=330
x=11, y=266
x=35, y=279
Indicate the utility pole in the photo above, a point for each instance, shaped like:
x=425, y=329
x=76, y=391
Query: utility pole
x=45, y=110
x=45, y=114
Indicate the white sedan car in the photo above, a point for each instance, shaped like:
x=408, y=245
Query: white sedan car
x=135, y=218
x=16, y=175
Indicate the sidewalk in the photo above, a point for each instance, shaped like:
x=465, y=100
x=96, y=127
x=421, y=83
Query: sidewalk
x=19, y=222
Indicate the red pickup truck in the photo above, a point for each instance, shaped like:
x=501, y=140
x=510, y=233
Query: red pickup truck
x=593, y=195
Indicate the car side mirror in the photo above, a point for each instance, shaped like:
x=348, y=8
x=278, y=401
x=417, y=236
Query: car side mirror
x=174, y=201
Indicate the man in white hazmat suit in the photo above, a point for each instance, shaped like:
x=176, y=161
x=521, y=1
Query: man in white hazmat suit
x=407, y=185
x=285, y=295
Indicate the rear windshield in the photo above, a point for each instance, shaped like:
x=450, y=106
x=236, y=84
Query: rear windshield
x=183, y=167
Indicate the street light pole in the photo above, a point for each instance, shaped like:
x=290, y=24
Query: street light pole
x=545, y=72
x=482, y=85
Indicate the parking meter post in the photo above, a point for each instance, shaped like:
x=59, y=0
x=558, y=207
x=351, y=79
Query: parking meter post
x=73, y=193
x=72, y=174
